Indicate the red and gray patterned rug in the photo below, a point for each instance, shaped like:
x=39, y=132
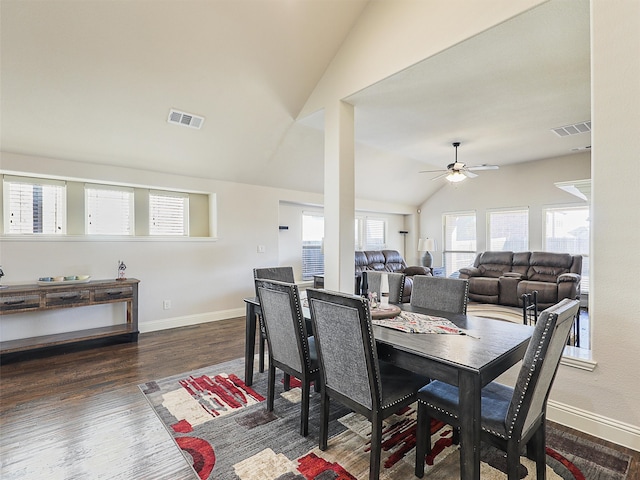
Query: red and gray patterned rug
x=225, y=432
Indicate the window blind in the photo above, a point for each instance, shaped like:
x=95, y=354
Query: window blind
x=109, y=210
x=168, y=213
x=508, y=230
x=459, y=240
x=35, y=206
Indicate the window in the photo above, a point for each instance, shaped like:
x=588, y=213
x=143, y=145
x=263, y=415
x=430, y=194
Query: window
x=459, y=240
x=34, y=206
x=508, y=230
x=567, y=231
x=109, y=210
x=168, y=213
x=312, y=251
x=370, y=233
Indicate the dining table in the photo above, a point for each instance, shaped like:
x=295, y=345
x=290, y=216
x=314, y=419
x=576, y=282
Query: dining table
x=485, y=349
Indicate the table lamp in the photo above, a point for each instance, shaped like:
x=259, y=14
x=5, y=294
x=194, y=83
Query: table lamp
x=427, y=245
x=384, y=289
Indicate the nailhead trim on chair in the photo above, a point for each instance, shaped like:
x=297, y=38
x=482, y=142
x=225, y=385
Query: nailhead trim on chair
x=536, y=360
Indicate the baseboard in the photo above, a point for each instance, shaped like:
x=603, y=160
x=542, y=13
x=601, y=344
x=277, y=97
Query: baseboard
x=188, y=320
x=606, y=428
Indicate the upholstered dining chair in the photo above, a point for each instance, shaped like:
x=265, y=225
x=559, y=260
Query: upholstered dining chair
x=282, y=274
x=350, y=370
x=510, y=417
x=396, y=284
x=445, y=294
x=290, y=349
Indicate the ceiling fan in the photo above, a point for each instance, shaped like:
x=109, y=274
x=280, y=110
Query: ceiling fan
x=458, y=171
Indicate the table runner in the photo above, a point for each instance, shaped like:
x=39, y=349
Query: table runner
x=418, y=323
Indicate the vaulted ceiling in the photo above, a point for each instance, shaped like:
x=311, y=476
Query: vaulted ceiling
x=94, y=82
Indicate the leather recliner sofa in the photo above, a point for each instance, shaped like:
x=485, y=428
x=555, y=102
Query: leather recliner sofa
x=389, y=261
x=503, y=277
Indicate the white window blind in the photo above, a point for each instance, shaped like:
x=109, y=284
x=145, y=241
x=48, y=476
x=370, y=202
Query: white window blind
x=370, y=233
x=312, y=254
x=567, y=231
x=459, y=240
x=508, y=230
x=168, y=213
x=34, y=206
x=109, y=210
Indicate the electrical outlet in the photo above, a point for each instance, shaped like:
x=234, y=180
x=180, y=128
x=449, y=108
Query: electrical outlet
x=262, y=249
x=166, y=304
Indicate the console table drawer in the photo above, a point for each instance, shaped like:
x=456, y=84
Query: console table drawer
x=19, y=302
x=76, y=298
x=106, y=294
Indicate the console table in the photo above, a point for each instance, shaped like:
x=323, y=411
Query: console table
x=37, y=298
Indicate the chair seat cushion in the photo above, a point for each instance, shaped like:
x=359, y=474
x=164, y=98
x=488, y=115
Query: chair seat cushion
x=398, y=383
x=495, y=403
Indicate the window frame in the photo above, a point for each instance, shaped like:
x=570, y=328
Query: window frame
x=361, y=239
x=507, y=210
x=60, y=213
x=113, y=188
x=185, y=212
x=451, y=266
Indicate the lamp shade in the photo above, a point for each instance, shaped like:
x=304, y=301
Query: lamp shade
x=426, y=245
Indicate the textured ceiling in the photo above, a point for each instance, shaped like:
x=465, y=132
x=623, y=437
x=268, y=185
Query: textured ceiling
x=94, y=81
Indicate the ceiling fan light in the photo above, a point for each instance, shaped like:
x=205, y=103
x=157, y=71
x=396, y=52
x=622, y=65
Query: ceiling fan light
x=455, y=177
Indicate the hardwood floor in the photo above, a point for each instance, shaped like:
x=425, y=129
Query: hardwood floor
x=80, y=414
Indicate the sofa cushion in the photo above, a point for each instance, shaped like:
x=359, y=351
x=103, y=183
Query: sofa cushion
x=361, y=262
x=520, y=263
x=484, y=286
x=546, y=266
x=393, y=261
x=494, y=264
x=375, y=260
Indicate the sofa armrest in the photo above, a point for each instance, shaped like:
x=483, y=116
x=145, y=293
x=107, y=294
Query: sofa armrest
x=466, y=272
x=416, y=270
x=568, y=277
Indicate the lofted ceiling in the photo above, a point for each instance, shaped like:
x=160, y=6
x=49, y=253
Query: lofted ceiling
x=94, y=82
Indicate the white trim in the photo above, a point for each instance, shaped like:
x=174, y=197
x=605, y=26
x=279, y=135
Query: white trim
x=599, y=426
x=188, y=320
x=37, y=237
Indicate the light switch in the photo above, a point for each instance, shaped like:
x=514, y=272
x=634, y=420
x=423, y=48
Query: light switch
x=262, y=249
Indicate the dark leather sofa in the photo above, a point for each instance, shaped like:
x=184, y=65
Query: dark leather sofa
x=503, y=277
x=389, y=261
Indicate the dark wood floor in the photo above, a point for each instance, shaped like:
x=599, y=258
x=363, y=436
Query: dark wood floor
x=80, y=415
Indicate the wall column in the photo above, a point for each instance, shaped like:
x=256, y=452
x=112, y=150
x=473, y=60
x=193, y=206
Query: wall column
x=339, y=197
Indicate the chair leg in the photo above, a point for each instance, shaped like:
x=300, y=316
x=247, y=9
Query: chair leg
x=261, y=354
x=513, y=460
x=536, y=451
x=455, y=437
x=376, y=446
x=423, y=438
x=304, y=414
x=271, y=386
x=287, y=382
x=324, y=421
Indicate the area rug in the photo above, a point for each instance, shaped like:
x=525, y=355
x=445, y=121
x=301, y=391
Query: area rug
x=510, y=314
x=225, y=432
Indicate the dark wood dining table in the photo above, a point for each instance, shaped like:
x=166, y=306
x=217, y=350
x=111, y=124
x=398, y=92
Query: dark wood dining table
x=468, y=361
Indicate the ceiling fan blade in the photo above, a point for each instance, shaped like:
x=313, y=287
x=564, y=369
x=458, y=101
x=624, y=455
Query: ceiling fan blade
x=483, y=167
x=468, y=174
x=440, y=176
x=433, y=171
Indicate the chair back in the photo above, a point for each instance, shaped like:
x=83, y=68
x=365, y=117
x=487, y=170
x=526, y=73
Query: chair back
x=284, y=323
x=281, y=274
x=437, y=293
x=396, y=284
x=540, y=365
x=346, y=346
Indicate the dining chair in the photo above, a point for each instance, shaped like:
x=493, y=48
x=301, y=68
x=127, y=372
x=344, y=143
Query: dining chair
x=282, y=274
x=530, y=308
x=396, y=284
x=350, y=370
x=437, y=293
x=290, y=348
x=510, y=417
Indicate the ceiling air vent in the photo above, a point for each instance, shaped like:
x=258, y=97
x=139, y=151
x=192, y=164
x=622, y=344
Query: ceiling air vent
x=576, y=128
x=185, y=119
